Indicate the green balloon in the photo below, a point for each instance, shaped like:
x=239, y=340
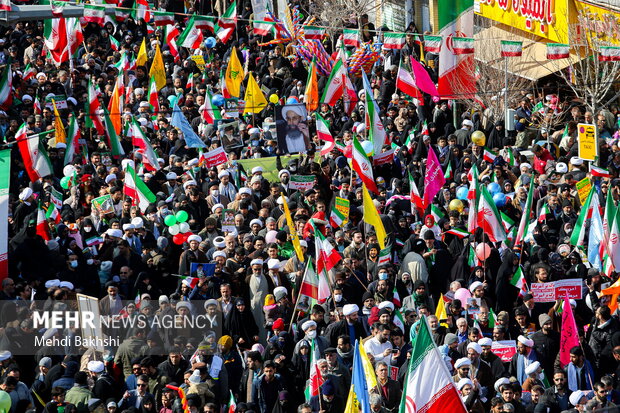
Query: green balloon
x=64, y=182
x=182, y=216
x=5, y=402
x=170, y=220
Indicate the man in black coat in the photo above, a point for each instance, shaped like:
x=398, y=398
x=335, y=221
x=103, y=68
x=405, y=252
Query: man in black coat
x=546, y=343
x=329, y=402
x=350, y=326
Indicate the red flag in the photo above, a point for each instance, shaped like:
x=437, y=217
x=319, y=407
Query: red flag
x=569, y=336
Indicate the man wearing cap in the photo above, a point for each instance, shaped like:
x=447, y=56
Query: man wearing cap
x=547, y=343
x=479, y=369
x=524, y=357
x=330, y=402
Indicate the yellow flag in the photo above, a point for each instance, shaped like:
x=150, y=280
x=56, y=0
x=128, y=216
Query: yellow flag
x=353, y=405
x=61, y=135
x=158, y=70
x=369, y=372
x=292, y=230
x=440, y=312
x=234, y=75
x=255, y=100
x=371, y=216
x=142, y=56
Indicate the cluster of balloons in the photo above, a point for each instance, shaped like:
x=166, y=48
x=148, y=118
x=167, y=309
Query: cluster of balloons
x=177, y=227
x=498, y=196
x=68, y=172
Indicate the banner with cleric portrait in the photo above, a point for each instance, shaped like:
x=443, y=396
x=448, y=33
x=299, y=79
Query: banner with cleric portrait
x=292, y=128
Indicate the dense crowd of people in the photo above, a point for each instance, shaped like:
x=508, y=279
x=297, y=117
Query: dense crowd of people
x=237, y=269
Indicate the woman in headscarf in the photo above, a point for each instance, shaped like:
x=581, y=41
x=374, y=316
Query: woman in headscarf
x=241, y=326
x=506, y=296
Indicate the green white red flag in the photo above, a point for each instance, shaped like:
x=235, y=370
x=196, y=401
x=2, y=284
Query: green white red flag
x=462, y=45
x=137, y=190
x=73, y=144
x=362, y=166
x=525, y=216
x=192, y=35
x=557, y=51
x=609, y=54
x=432, y=44
x=334, y=89
x=393, y=41
x=579, y=230
x=489, y=218
x=6, y=88
x=428, y=385
x=94, y=109
x=139, y=139
x=511, y=48
x=518, y=280
x=34, y=154
x=323, y=133
x=210, y=112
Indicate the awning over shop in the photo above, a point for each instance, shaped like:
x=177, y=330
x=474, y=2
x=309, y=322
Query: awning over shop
x=532, y=65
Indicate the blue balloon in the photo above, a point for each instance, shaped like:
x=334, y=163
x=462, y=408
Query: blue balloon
x=461, y=193
x=499, y=199
x=210, y=42
x=292, y=100
x=218, y=100
x=494, y=188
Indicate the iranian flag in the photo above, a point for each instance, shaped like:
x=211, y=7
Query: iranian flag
x=613, y=243
x=310, y=283
x=334, y=89
x=557, y=51
x=432, y=44
x=149, y=157
x=114, y=44
x=227, y=23
x=336, y=218
x=362, y=166
x=609, y=54
x=43, y=228
x=191, y=36
x=414, y=195
x=94, y=108
x=210, y=112
x=428, y=387
x=323, y=133
x=29, y=72
x=599, y=172
x=393, y=41
x=544, y=213
x=406, y=83
x=489, y=218
x=396, y=297
x=585, y=214
x=205, y=22
x=489, y=155
x=525, y=216
x=437, y=213
x=314, y=33
x=142, y=11
x=327, y=256
x=511, y=48
x=153, y=95
x=5, y=5
x=114, y=141
x=94, y=14
x=53, y=214
x=137, y=190
x=456, y=72
x=462, y=45
x=56, y=39
x=461, y=233
x=162, y=18
x=73, y=137
x=376, y=132
x=36, y=161
x=232, y=403
x=171, y=36
x=350, y=95
x=518, y=280
x=351, y=37
x=316, y=378
x=6, y=88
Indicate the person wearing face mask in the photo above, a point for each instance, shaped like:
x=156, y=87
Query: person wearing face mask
x=284, y=175
x=215, y=197
x=310, y=333
x=226, y=188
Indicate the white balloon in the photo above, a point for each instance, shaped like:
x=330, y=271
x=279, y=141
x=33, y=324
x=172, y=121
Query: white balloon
x=173, y=229
x=368, y=147
x=183, y=227
x=68, y=170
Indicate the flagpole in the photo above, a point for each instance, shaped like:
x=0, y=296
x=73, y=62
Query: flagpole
x=505, y=97
x=290, y=324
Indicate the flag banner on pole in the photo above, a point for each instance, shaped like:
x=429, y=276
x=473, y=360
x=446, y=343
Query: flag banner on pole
x=351, y=37
x=557, y=51
x=429, y=386
x=511, y=49
x=462, y=45
x=569, y=336
x=163, y=18
x=314, y=33
x=599, y=172
x=432, y=44
x=393, y=41
x=518, y=280
x=609, y=54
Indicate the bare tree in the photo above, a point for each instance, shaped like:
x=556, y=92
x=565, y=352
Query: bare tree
x=591, y=79
x=335, y=14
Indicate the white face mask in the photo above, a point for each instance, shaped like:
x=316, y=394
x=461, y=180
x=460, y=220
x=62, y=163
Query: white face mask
x=73, y=264
x=90, y=261
x=337, y=297
x=88, y=229
x=215, y=192
x=311, y=334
